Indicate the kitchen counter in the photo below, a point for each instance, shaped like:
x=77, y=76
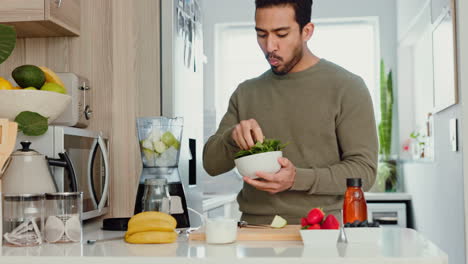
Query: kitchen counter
x=398, y=245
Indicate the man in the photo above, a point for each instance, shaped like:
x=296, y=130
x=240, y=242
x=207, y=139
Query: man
x=324, y=112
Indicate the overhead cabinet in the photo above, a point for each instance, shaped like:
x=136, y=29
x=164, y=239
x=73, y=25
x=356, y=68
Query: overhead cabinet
x=42, y=18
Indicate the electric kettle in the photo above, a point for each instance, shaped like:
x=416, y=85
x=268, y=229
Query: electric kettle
x=27, y=171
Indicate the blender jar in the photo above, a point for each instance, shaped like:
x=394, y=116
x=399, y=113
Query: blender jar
x=23, y=217
x=156, y=196
x=160, y=141
x=63, y=222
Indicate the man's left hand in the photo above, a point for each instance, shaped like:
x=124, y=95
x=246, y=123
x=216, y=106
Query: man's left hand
x=277, y=182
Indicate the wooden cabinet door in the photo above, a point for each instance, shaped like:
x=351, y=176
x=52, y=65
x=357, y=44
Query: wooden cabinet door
x=65, y=13
x=21, y=10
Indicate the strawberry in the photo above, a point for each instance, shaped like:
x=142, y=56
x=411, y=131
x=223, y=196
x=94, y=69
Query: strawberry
x=304, y=222
x=315, y=216
x=314, y=226
x=330, y=223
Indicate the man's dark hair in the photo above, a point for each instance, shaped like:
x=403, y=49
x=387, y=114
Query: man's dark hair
x=302, y=8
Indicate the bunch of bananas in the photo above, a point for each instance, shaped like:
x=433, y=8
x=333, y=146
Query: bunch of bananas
x=151, y=228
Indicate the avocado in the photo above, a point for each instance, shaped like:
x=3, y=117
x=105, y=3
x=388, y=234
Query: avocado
x=29, y=76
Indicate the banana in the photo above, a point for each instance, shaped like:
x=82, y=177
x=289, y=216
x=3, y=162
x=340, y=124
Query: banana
x=151, y=228
x=149, y=225
x=151, y=237
x=51, y=76
x=145, y=218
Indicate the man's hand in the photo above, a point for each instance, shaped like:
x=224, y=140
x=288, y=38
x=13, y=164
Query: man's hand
x=246, y=133
x=275, y=183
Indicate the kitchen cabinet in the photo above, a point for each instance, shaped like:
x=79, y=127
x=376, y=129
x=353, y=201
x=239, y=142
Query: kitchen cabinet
x=42, y=18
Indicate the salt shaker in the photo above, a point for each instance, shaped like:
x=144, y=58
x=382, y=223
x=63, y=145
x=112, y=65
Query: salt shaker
x=156, y=196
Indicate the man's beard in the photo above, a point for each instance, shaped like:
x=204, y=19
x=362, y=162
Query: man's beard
x=287, y=67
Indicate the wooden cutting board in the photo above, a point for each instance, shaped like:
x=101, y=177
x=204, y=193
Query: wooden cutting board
x=288, y=233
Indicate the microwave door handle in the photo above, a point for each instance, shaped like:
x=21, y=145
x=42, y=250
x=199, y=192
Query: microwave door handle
x=105, y=156
x=91, y=190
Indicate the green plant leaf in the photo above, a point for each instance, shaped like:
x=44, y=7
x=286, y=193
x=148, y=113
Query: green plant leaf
x=386, y=111
x=31, y=123
x=7, y=41
x=267, y=146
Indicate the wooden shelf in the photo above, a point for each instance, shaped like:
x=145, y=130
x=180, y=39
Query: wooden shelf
x=42, y=18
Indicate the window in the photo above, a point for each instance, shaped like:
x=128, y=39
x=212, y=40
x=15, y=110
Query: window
x=351, y=43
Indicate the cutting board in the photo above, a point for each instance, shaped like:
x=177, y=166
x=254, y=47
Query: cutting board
x=288, y=233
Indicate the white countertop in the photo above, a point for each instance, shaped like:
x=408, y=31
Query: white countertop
x=398, y=245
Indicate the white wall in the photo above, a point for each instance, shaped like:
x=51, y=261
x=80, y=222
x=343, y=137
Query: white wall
x=406, y=11
x=436, y=187
x=242, y=11
x=462, y=34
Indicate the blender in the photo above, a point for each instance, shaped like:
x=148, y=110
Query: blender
x=159, y=139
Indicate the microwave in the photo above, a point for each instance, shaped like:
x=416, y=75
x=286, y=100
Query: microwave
x=88, y=152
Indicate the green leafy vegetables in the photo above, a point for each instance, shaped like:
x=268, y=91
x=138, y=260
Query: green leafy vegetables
x=267, y=146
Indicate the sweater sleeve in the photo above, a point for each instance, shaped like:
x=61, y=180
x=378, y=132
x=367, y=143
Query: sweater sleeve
x=357, y=139
x=219, y=150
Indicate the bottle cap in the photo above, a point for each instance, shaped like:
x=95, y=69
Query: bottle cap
x=354, y=182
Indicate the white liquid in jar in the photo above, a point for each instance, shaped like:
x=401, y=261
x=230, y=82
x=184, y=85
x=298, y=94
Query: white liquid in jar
x=221, y=230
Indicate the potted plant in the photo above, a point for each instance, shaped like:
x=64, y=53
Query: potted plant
x=263, y=156
x=386, y=172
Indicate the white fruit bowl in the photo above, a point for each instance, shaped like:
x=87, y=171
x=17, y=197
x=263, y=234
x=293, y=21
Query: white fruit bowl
x=47, y=104
x=262, y=162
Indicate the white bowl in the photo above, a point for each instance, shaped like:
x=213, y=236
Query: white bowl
x=330, y=236
x=47, y=104
x=264, y=162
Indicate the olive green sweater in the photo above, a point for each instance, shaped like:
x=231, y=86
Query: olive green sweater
x=325, y=113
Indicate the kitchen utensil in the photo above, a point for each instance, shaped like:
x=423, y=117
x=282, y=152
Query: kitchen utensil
x=28, y=172
x=288, y=233
x=92, y=241
x=23, y=219
x=265, y=162
x=8, y=132
x=63, y=214
x=246, y=224
x=159, y=139
x=342, y=238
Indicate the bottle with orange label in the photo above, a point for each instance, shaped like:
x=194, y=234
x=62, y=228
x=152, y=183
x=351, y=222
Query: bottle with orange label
x=354, y=205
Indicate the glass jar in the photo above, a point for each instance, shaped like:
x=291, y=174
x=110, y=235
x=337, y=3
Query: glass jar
x=156, y=196
x=354, y=205
x=23, y=218
x=63, y=214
